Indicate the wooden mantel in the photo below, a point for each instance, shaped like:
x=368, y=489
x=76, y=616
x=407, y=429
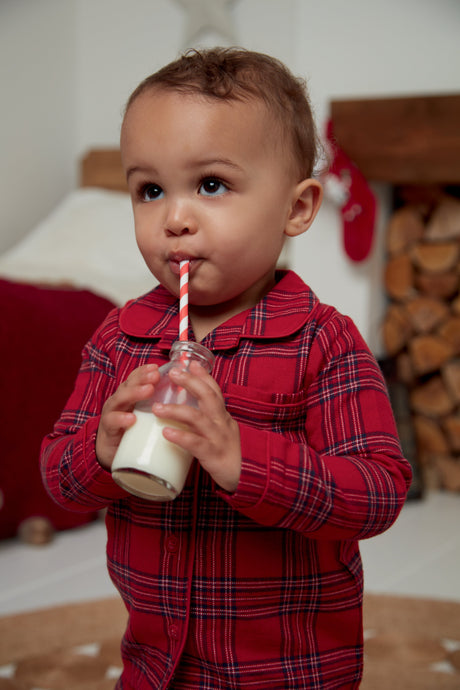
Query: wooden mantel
x=402, y=141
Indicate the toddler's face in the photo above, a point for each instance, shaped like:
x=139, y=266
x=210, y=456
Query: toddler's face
x=209, y=184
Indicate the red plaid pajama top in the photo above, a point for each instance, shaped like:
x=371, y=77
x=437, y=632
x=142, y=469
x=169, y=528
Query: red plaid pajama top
x=261, y=588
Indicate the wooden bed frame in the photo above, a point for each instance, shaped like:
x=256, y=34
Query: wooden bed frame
x=102, y=168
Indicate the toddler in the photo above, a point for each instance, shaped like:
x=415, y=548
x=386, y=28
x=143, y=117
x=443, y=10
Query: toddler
x=251, y=577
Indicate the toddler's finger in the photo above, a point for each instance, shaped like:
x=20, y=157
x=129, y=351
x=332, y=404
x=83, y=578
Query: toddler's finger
x=148, y=373
x=198, y=383
x=138, y=386
x=117, y=422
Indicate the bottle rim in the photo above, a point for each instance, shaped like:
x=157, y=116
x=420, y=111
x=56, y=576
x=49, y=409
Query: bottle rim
x=192, y=347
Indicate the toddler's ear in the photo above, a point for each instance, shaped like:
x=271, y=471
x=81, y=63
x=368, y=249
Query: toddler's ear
x=307, y=198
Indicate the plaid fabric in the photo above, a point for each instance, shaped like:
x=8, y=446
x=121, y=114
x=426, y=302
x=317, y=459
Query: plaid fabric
x=261, y=588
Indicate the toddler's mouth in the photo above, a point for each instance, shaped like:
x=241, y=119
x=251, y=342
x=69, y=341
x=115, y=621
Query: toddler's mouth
x=174, y=261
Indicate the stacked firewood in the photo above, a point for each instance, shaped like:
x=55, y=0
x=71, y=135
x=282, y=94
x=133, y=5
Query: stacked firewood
x=421, y=329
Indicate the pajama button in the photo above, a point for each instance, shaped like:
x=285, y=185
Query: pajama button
x=173, y=631
x=172, y=544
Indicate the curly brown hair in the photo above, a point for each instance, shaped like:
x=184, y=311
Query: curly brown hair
x=238, y=74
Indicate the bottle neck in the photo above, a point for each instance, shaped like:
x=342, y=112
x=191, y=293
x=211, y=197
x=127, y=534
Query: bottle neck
x=188, y=351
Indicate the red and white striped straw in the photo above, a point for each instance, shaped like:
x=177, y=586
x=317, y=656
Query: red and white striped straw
x=183, y=300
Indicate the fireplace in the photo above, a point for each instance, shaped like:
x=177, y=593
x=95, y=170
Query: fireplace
x=413, y=144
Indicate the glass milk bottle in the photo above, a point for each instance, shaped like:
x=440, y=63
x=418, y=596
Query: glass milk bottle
x=146, y=464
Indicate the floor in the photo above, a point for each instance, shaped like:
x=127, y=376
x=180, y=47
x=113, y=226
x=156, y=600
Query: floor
x=418, y=556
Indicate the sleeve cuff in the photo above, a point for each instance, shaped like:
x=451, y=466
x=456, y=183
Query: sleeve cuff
x=99, y=480
x=255, y=476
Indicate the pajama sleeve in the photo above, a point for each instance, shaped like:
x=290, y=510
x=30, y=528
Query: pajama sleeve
x=70, y=470
x=348, y=480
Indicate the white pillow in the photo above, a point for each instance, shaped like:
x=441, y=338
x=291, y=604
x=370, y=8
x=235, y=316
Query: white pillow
x=88, y=241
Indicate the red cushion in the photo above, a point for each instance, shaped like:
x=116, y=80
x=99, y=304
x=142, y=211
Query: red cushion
x=42, y=333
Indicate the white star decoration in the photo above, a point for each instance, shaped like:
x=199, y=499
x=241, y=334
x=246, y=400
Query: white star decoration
x=205, y=16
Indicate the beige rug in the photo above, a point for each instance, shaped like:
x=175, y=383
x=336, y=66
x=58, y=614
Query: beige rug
x=411, y=644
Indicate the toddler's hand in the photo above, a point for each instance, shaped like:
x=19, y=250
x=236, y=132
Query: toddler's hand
x=213, y=436
x=117, y=415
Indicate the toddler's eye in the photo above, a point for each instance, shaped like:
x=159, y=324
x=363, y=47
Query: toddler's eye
x=150, y=192
x=211, y=186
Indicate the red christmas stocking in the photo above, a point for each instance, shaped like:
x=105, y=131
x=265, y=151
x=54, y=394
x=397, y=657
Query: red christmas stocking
x=347, y=184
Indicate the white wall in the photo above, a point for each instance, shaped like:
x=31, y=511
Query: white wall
x=37, y=96
x=68, y=68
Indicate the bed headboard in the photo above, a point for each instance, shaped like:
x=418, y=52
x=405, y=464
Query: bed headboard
x=102, y=168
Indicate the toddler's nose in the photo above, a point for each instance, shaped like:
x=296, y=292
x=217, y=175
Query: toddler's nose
x=180, y=220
